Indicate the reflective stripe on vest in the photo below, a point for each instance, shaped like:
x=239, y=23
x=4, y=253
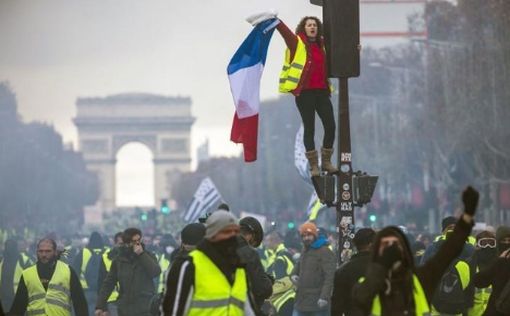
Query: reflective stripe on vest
x=420, y=301
x=279, y=255
x=213, y=295
x=283, y=291
x=164, y=263
x=56, y=301
x=87, y=254
x=463, y=270
x=17, y=274
x=292, y=70
x=108, y=265
x=480, y=300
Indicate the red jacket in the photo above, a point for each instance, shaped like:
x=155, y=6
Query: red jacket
x=314, y=74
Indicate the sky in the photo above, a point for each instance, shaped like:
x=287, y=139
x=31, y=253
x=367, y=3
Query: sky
x=54, y=51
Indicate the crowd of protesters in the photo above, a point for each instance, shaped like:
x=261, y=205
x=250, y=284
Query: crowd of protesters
x=227, y=266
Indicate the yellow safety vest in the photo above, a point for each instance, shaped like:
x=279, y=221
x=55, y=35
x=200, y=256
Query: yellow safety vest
x=292, y=70
x=283, y=288
x=278, y=255
x=108, y=265
x=18, y=270
x=266, y=258
x=164, y=263
x=56, y=301
x=480, y=300
x=87, y=254
x=420, y=301
x=283, y=291
x=465, y=277
x=213, y=295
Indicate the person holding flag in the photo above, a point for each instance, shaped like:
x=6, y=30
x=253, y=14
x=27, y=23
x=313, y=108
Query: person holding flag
x=304, y=74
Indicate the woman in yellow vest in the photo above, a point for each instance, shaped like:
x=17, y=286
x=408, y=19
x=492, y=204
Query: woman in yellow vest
x=393, y=285
x=304, y=74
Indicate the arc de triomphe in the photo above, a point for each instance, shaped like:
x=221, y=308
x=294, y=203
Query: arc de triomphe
x=162, y=123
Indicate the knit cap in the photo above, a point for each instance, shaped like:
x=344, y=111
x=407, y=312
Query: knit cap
x=218, y=221
x=192, y=234
x=308, y=228
x=447, y=221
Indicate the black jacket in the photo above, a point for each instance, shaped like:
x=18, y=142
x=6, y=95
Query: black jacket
x=496, y=274
x=134, y=274
x=345, y=278
x=19, y=306
x=181, y=279
x=261, y=284
x=429, y=275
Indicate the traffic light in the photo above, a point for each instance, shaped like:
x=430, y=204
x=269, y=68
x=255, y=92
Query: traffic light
x=164, y=206
x=363, y=186
x=144, y=216
x=372, y=218
x=291, y=225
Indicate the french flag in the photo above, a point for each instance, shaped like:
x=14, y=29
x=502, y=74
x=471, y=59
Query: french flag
x=244, y=73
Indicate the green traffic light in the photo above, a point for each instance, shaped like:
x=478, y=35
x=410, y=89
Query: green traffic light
x=165, y=210
x=291, y=225
x=144, y=217
x=372, y=218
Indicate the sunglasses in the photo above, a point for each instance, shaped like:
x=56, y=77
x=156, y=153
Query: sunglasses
x=486, y=243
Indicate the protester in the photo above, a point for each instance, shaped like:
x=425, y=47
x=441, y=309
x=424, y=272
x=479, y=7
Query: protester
x=261, y=284
x=133, y=270
x=88, y=263
x=497, y=273
x=393, y=285
x=212, y=279
x=11, y=266
x=49, y=286
x=305, y=75
x=350, y=272
x=314, y=273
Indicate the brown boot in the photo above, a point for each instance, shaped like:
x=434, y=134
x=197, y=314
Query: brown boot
x=326, y=164
x=313, y=159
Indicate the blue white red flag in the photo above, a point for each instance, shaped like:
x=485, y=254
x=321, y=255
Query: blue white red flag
x=244, y=74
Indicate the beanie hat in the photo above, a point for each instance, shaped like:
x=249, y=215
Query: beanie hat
x=502, y=232
x=447, y=221
x=308, y=228
x=192, y=234
x=217, y=221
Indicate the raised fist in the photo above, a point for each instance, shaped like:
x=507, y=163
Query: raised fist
x=470, y=199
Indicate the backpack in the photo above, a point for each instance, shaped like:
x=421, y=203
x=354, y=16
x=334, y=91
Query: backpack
x=503, y=300
x=450, y=296
x=91, y=273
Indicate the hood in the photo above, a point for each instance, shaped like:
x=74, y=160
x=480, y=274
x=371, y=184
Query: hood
x=397, y=232
x=95, y=241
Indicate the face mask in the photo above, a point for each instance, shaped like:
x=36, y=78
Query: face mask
x=486, y=255
x=227, y=248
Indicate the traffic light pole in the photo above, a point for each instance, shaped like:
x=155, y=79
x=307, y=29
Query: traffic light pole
x=344, y=199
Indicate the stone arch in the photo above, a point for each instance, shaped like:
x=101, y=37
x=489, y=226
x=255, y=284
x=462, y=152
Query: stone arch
x=162, y=123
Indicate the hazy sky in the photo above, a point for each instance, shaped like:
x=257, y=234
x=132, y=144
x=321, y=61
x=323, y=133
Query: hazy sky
x=53, y=51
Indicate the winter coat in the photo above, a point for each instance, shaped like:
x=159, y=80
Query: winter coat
x=428, y=274
x=345, y=278
x=496, y=274
x=316, y=271
x=135, y=274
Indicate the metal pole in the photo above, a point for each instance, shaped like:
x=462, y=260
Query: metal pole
x=344, y=205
